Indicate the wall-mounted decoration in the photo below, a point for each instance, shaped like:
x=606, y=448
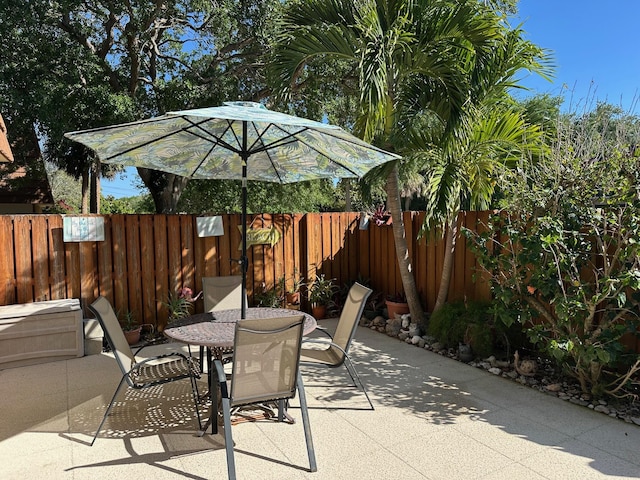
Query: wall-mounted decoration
x=210, y=226
x=83, y=229
x=364, y=221
x=261, y=236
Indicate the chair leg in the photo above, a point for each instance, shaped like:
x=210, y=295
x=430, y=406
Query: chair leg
x=307, y=426
x=196, y=398
x=228, y=440
x=356, y=378
x=201, y=359
x=106, y=413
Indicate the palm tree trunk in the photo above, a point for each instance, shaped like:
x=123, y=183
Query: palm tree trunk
x=447, y=267
x=402, y=251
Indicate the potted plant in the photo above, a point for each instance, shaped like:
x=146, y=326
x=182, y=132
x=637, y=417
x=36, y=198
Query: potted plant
x=320, y=295
x=397, y=305
x=180, y=304
x=130, y=327
x=293, y=292
x=269, y=297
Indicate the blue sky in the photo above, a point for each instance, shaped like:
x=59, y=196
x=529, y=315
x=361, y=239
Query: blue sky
x=595, y=48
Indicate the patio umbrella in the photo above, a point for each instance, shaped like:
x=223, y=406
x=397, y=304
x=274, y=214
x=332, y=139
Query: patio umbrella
x=236, y=141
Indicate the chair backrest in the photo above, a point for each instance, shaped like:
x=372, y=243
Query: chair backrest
x=266, y=358
x=113, y=333
x=349, y=318
x=222, y=293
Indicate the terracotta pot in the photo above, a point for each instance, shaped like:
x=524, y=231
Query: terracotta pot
x=319, y=311
x=293, y=298
x=133, y=336
x=395, y=308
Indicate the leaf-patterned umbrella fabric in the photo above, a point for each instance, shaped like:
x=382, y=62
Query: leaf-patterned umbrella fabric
x=208, y=142
x=211, y=143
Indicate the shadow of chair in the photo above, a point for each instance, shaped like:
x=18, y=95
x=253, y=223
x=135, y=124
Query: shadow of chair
x=149, y=372
x=336, y=352
x=265, y=369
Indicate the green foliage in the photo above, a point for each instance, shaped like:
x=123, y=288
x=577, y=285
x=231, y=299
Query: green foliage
x=460, y=322
x=322, y=290
x=139, y=204
x=127, y=320
x=564, y=254
x=270, y=297
x=218, y=196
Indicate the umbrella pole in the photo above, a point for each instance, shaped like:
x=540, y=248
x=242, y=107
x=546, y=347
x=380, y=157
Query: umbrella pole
x=244, y=259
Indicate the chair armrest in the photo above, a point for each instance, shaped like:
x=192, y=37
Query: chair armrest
x=322, y=330
x=160, y=357
x=322, y=341
x=139, y=349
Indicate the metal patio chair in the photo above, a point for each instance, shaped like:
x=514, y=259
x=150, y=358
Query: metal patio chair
x=336, y=352
x=220, y=293
x=149, y=372
x=265, y=369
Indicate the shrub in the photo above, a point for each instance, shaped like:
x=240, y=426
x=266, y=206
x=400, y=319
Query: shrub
x=564, y=253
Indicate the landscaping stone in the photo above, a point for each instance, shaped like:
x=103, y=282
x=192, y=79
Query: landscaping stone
x=545, y=379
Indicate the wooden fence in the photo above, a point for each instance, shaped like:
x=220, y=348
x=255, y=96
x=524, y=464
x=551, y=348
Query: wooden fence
x=145, y=257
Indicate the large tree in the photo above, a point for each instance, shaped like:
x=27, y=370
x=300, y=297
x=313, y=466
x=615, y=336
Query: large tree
x=397, y=48
x=104, y=62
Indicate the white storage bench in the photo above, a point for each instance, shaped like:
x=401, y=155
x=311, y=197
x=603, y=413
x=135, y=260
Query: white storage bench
x=40, y=332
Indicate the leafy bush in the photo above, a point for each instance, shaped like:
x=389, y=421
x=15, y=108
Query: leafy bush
x=460, y=322
x=564, y=253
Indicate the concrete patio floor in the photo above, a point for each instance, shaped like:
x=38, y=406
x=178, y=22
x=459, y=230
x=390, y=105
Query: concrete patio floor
x=434, y=418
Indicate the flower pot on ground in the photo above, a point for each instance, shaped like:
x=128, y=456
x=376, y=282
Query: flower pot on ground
x=319, y=311
x=397, y=305
x=291, y=288
x=321, y=294
x=133, y=336
x=293, y=298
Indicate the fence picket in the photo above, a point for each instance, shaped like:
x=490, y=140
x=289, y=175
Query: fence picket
x=144, y=258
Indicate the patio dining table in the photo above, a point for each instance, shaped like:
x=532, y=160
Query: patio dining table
x=216, y=331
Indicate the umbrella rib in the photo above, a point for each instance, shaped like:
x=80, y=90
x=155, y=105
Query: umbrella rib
x=311, y=147
x=218, y=138
x=155, y=140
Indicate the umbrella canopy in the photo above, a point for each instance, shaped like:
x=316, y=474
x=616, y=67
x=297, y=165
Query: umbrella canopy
x=236, y=141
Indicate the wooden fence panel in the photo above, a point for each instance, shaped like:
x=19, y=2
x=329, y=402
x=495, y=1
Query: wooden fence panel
x=39, y=237
x=56, y=254
x=145, y=258
x=147, y=271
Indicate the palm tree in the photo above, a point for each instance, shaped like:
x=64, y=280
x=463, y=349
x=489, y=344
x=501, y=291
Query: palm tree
x=397, y=47
x=465, y=170
x=463, y=156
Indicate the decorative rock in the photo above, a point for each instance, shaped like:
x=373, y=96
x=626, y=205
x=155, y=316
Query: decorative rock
x=406, y=321
x=601, y=409
x=403, y=335
x=635, y=420
x=495, y=370
x=421, y=342
x=393, y=327
x=553, y=387
x=436, y=346
x=415, y=339
x=414, y=330
x=379, y=321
